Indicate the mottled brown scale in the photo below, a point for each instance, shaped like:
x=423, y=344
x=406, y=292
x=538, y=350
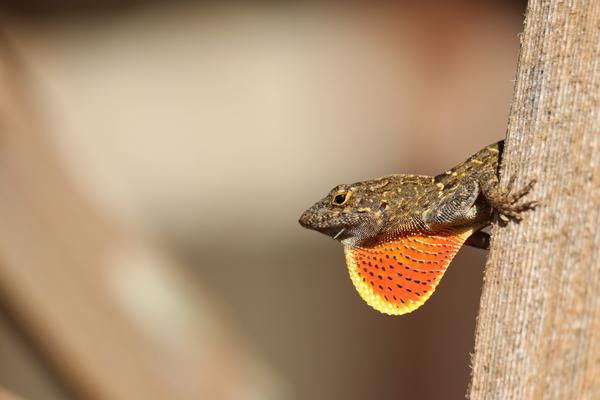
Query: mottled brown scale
x=413, y=223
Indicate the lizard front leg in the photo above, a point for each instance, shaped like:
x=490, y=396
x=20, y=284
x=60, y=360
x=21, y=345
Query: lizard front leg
x=462, y=208
x=506, y=201
x=454, y=206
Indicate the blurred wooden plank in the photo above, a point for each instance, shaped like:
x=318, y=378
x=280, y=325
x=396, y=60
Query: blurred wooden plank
x=117, y=318
x=23, y=369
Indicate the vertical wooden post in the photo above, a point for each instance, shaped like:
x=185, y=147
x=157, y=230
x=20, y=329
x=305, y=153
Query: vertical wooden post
x=538, y=330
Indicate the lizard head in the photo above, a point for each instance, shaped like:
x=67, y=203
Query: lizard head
x=350, y=213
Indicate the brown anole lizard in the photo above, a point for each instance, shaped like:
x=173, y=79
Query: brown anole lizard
x=400, y=232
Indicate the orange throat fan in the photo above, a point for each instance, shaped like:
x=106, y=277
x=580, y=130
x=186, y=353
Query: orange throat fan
x=397, y=275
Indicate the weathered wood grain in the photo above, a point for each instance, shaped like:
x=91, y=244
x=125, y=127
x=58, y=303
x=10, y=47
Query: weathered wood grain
x=538, y=330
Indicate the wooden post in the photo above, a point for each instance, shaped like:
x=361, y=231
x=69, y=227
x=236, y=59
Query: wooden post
x=538, y=330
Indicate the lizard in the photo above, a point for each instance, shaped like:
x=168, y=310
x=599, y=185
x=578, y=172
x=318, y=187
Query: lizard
x=400, y=232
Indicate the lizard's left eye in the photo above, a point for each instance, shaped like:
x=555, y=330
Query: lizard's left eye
x=339, y=199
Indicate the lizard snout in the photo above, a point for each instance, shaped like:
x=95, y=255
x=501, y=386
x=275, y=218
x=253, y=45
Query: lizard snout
x=305, y=219
x=313, y=220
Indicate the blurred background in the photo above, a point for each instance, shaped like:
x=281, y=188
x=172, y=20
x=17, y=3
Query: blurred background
x=155, y=157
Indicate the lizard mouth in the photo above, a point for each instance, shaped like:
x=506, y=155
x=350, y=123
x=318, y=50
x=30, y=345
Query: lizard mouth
x=336, y=231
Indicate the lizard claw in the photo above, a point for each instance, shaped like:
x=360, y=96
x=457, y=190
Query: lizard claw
x=507, y=202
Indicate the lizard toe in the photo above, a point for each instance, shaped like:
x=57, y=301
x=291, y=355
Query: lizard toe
x=507, y=203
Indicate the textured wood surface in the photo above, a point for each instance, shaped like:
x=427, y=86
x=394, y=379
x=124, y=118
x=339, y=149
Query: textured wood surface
x=538, y=330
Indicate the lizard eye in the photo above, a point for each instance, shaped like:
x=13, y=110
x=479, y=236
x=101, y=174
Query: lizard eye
x=339, y=199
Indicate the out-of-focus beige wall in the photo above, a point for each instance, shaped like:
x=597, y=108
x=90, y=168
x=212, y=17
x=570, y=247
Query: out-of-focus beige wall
x=212, y=128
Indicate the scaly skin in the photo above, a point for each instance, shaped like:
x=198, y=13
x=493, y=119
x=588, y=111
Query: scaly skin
x=416, y=224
